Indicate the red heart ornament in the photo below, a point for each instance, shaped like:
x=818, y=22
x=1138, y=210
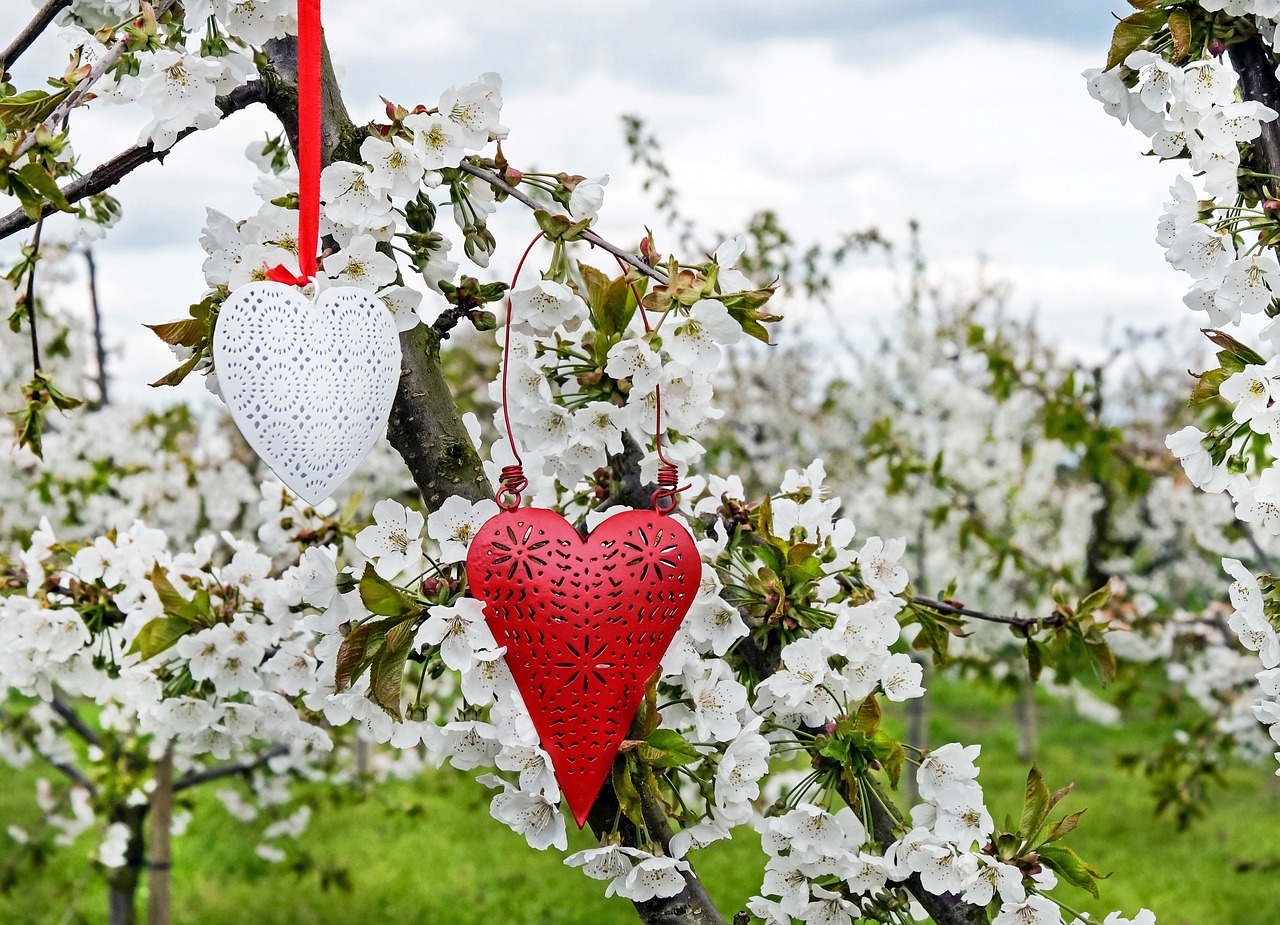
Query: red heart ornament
x=585, y=623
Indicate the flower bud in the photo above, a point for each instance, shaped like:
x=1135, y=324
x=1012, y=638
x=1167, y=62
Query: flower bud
x=1217, y=48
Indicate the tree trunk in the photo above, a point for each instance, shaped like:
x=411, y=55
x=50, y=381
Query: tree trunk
x=122, y=883
x=1258, y=82
x=160, y=856
x=1024, y=718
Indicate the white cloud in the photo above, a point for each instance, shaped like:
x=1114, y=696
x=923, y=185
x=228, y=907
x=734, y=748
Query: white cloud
x=989, y=141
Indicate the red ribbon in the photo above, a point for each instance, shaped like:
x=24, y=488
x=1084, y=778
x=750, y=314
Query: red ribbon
x=309, y=40
x=309, y=107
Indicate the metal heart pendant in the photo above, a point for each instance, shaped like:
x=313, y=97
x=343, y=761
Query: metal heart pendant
x=585, y=623
x=309, y=383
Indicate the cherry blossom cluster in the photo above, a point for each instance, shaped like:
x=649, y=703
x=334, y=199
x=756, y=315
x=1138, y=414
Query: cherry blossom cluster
x=181, y=71
x=1219, y=236
x=364, y=205
x=201, y=652
x=571, y=409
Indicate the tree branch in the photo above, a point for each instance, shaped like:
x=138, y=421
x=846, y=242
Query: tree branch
x=108, y=174
x=962, y=611
x=488, y=176
x=231, y=769
x=31, y=32
x=105, y=63
x=946, y=909
x=74, y=722
x=1258, y=82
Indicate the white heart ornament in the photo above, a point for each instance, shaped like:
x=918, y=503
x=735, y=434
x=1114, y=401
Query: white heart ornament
x=309, y=383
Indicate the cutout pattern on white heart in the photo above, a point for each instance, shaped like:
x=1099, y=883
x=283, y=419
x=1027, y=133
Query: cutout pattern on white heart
x=309, y=384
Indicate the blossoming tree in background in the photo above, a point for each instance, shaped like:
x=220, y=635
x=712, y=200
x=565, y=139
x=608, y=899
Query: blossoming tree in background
x=147, y=645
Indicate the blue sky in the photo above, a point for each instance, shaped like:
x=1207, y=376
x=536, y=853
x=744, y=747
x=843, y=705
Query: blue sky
x=969, y=116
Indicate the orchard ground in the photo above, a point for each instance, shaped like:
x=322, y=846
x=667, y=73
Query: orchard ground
x=463, y=871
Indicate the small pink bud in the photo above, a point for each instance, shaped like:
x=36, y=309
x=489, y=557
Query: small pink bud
x=1217, y=48
x=514, y=176
x=1271, y=205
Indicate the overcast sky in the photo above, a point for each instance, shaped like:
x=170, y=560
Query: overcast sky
x=970, y=117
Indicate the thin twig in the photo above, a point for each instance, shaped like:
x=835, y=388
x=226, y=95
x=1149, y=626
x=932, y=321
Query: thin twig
x=31, y=32
x=488, y=176
x=74, y=722
x=99, y=336
x=233, y=769
x=1264, y=558
x=108, y=60
x=108, y=174
x=960, y=611
x=31, y=298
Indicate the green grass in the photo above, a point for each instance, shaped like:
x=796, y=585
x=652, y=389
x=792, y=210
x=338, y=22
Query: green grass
x=427, y=851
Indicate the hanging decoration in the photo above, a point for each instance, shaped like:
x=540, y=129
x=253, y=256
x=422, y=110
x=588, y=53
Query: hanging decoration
x=585, y=621
x=309, y=381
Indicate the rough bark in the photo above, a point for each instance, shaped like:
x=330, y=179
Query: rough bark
x=1257, y=71
x=122, y=882
x=160, y=855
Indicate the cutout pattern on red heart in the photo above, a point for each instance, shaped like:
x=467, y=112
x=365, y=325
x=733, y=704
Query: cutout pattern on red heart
x=310, y=384
x=585, y=623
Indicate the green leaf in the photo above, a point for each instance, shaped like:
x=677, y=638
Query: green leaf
x=1072, y=867
x=1035, y=660
x=625, y=789
x=173, y=602
x=611, y=301
x=1094, y=601
x=559, y=227
x=764, y=520
x=1035, y=805
x=1228, y=343
x=666, y=748
x=359, y=649
x=29, y=424
x=891, y=755
x=175, y=376
x=386, y=675
x=1207, y=385
x=39, y=179
x=383, y=598
x=186, y=333
x=868, y=719
x=1063, y=827
x=22, y=112
x=159, y=634
x=1131, y=32
x=1103, y=660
